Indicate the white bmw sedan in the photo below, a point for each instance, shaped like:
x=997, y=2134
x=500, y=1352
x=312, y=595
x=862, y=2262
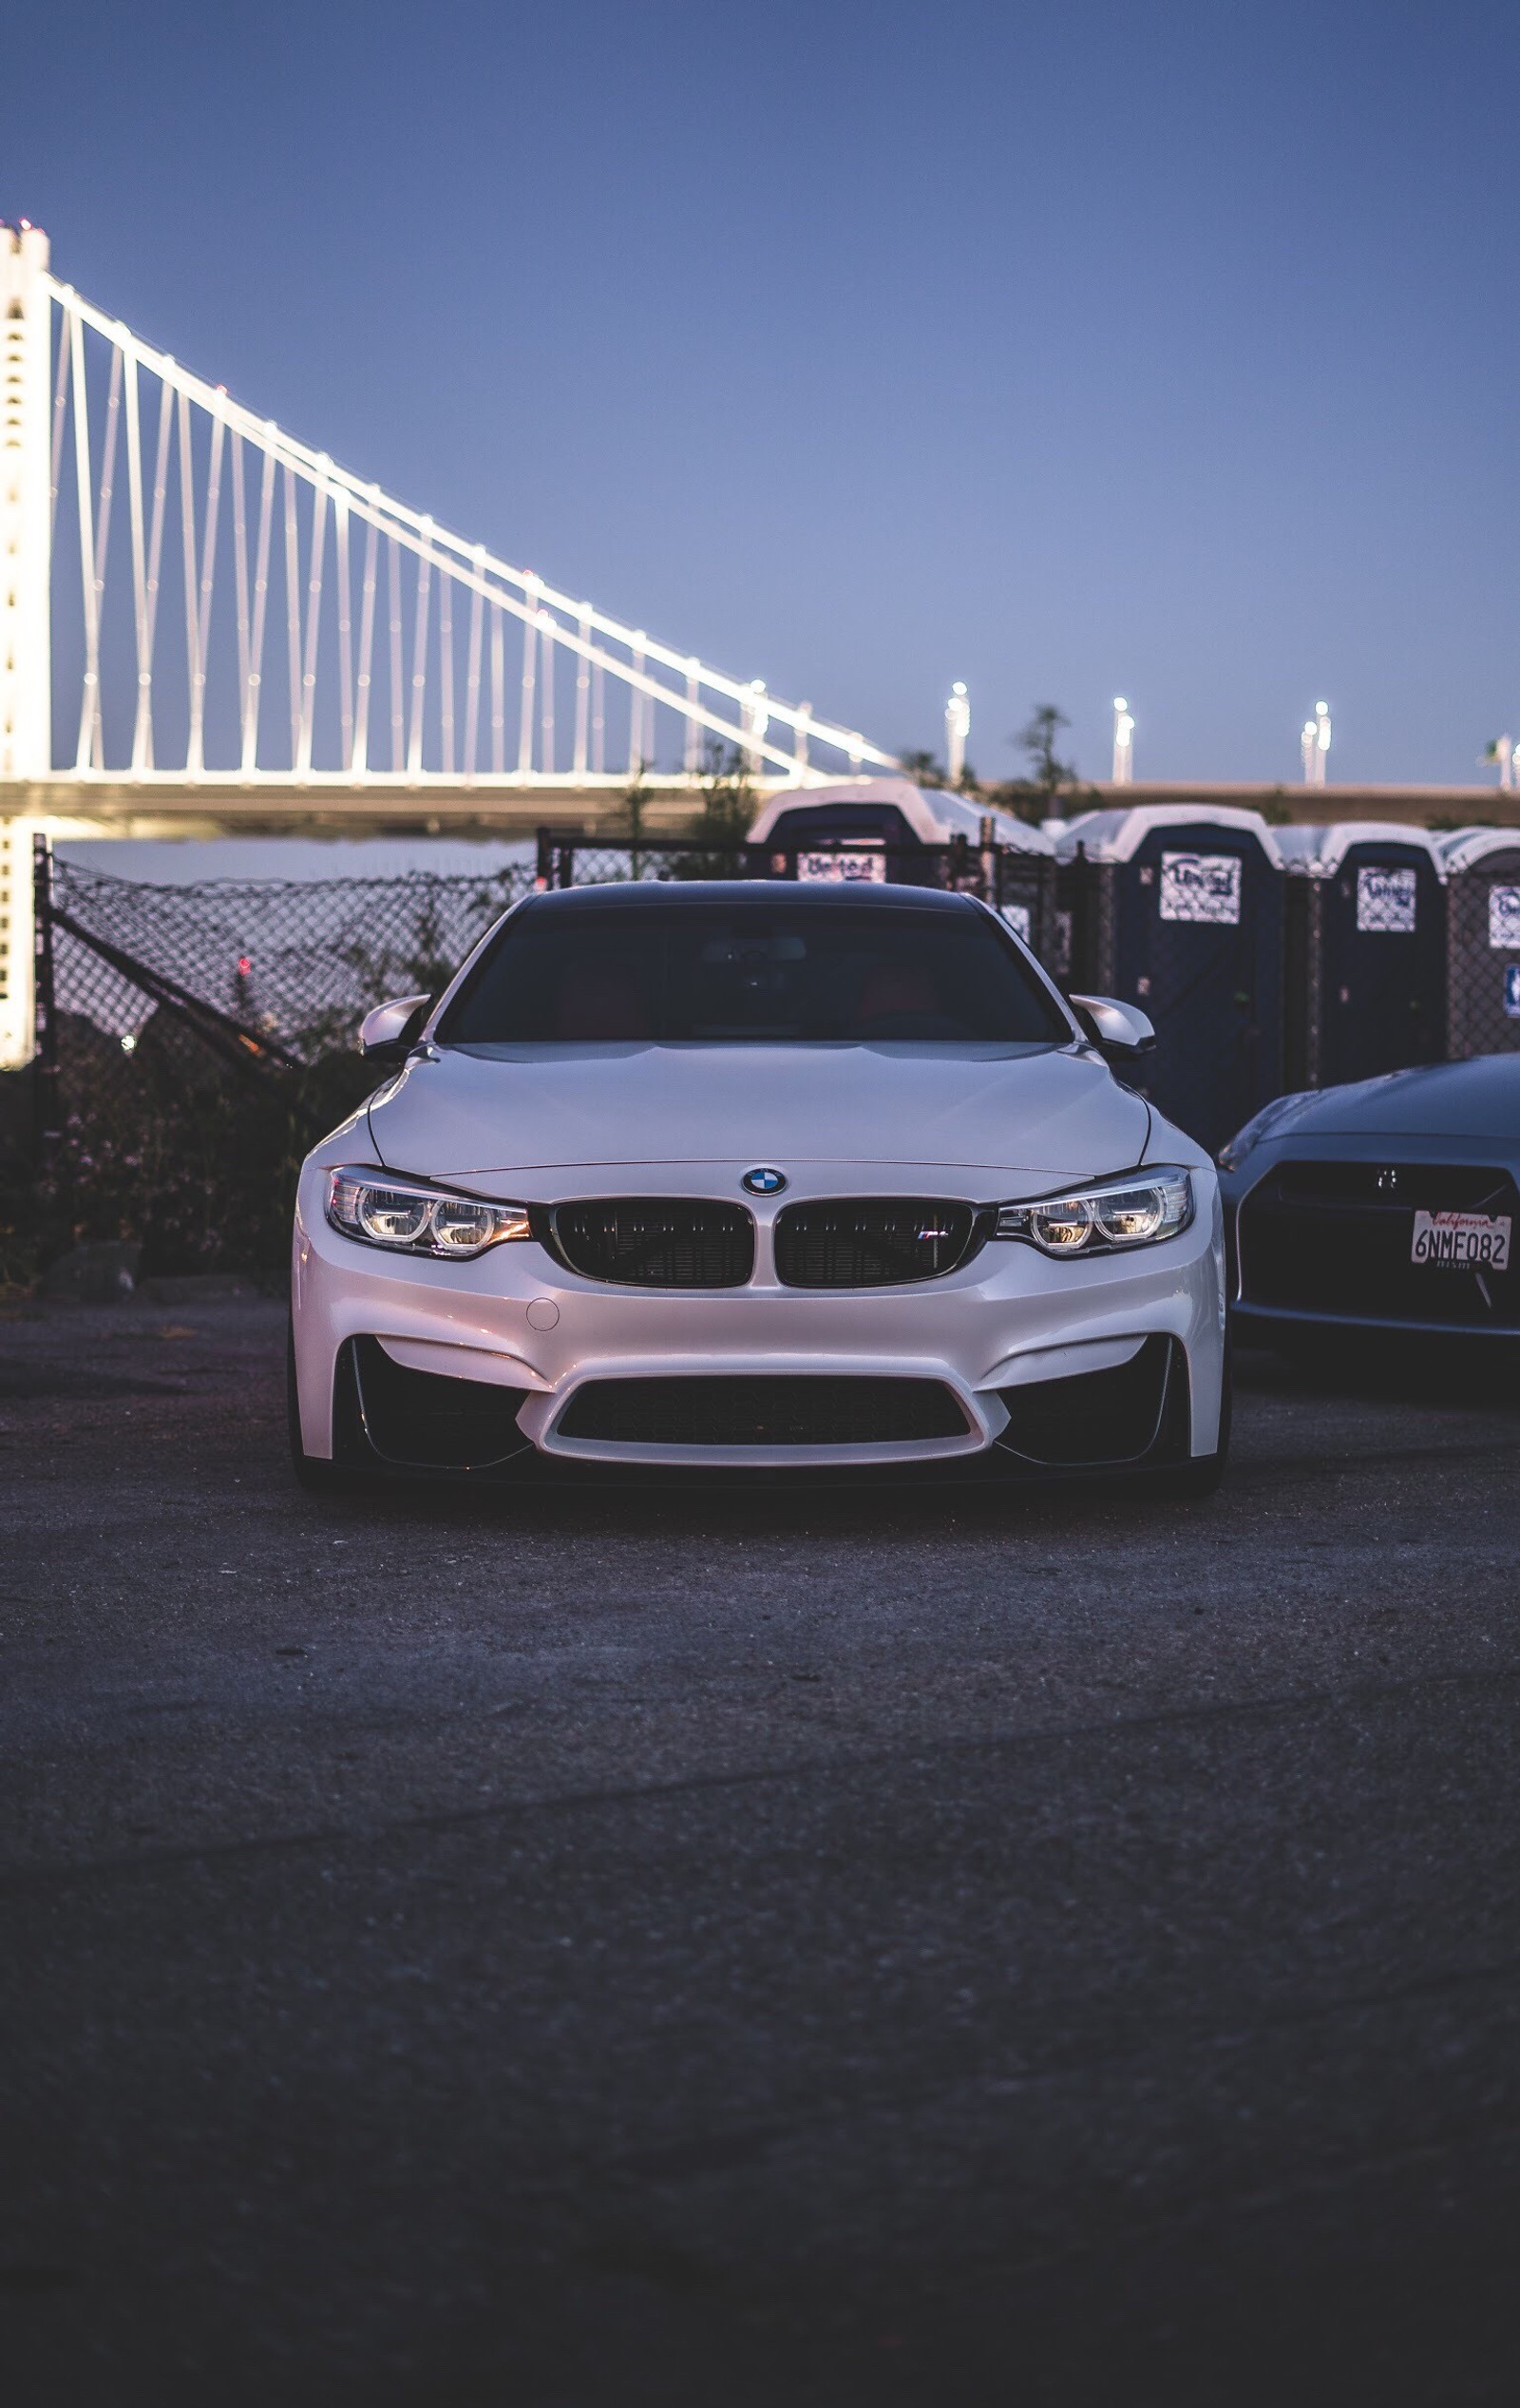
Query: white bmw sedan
x=739, y=1176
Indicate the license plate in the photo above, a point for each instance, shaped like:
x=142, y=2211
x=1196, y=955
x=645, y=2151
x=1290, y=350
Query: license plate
x=1461, y=1241
x=844, y=869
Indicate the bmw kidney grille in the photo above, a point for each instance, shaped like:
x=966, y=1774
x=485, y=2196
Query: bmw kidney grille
x=653, y=1241
x=874, y=1241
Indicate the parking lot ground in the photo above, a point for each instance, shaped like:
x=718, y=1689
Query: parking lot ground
x=894, y=1945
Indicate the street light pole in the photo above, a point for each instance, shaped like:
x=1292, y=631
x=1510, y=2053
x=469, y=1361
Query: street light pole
x=957, y=729
x=1123, y=742
x=1314, y=744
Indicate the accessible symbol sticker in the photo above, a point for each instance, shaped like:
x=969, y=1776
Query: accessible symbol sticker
x=1503, y=919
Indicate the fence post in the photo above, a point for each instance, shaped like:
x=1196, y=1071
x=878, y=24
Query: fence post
x=545, y=869
x=47, y=1123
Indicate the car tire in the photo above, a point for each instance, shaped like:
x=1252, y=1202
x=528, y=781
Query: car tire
x=317, y=1474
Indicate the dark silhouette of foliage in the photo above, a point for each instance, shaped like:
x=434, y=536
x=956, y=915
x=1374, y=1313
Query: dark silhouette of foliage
x=728, y=808
x=1051, y=789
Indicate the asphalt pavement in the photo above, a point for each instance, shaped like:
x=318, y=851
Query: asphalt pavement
x=894, y=1945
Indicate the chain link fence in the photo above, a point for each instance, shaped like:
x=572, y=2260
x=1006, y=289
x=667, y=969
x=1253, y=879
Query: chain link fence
x=195, y=1039
x=194, y=1042
x=290, y=963
x=1483, y=956
x=1210, y=980
x=1020, y=884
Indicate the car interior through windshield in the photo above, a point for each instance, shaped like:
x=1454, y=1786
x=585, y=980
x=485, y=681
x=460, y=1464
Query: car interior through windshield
x=724, y=974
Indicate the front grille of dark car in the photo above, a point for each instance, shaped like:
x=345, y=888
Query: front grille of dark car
x=872, y=1241
x=654, y=1241
x=766, y=1409
x=1325, y=1237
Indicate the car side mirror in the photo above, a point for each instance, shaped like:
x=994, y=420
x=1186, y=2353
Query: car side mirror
x=388, y=1033
x=1121, y=1032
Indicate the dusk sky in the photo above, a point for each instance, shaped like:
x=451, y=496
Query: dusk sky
x=1073, y=350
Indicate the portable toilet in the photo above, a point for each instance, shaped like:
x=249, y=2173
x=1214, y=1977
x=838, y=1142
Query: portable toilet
x=890, y=830
x=1178, y=907
x=1482, y=941
x=1365, y=951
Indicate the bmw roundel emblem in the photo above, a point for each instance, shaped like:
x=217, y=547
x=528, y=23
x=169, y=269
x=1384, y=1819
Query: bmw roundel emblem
x=763, y=1181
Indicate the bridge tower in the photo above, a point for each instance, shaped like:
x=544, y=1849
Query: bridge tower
x=26, y=514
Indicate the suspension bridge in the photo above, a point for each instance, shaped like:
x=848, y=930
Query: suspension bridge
x=207, y=626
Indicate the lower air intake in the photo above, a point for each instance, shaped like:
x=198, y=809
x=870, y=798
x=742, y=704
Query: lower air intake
x=765, y=1410
x=427, y=1422
x=1099, y=1417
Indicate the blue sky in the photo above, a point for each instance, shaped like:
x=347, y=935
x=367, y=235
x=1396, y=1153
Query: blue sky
x=1072, y=350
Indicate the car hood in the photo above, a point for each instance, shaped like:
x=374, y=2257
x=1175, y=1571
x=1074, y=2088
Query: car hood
x=1476, y=1098
x=487, y=1109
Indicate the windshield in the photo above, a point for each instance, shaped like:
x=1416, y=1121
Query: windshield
x=733, y=974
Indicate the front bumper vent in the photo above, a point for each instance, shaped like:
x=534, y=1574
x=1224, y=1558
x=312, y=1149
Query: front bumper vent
x=873, y=1241
x=1102, y=1420
x=764, y=1410
x=654, y=1241
x=426, y=1420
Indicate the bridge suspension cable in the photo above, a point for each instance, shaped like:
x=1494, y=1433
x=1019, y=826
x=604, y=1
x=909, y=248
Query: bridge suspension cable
x=272, y=617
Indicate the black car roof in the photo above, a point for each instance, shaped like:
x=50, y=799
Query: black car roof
x=748, y=893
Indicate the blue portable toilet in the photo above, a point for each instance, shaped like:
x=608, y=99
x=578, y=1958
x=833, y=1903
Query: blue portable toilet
x=890, y=830
x=1178, y=907
x=1366, y=950
x=1482, y=941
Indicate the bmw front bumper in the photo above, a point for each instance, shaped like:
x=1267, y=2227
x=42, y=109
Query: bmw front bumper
x=1012, y=1320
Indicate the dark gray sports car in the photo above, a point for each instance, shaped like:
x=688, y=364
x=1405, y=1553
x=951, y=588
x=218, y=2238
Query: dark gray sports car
x=1388, y=1205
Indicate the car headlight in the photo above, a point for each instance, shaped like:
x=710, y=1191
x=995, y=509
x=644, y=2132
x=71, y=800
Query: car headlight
x=1278, y=1114
x=1138, y=1208
x=409, y=1217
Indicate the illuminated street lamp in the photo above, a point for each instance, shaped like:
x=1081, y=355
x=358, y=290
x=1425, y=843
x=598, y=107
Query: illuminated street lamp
x=1123, y=742
x=957, y=729
x=1314, y=744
